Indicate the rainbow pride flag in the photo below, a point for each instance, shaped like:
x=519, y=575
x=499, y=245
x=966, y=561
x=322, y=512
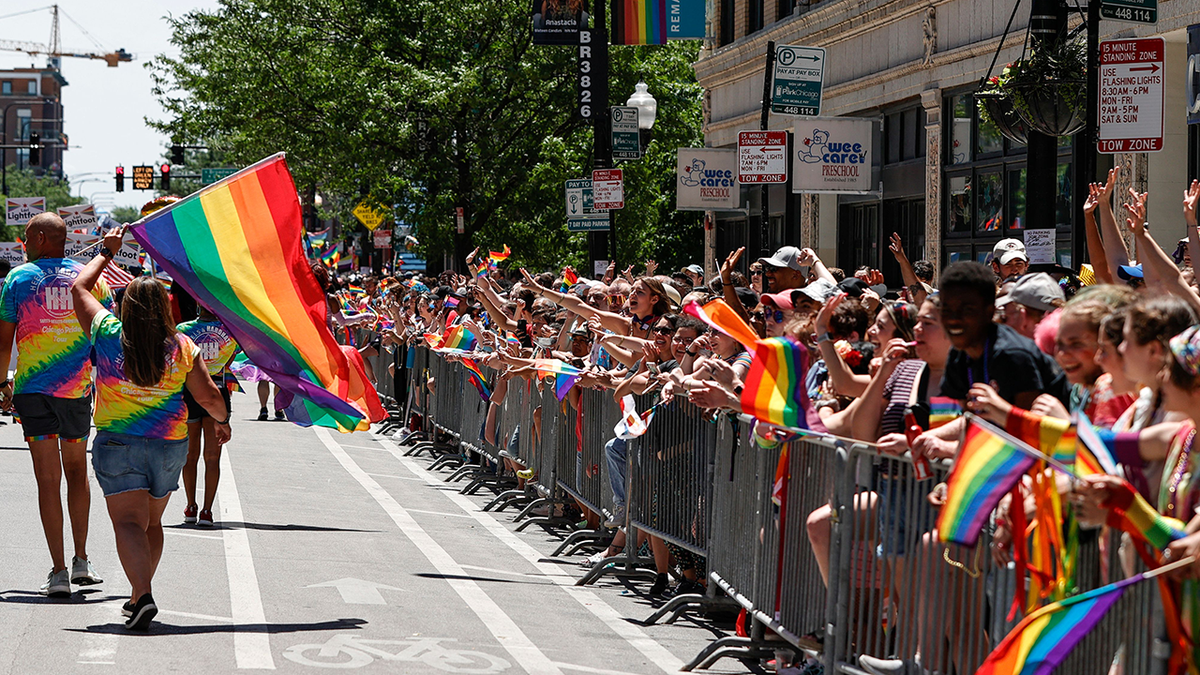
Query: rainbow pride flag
x=457, y=337
x=570, y=277
x=547, y=367
x=1044, y=638
x=501, y=256
x=1131, y=513
x=331, y=257
x=1053, y=436
x=1092, y=455
x=477, y=378
x=639, y=22
x=720, y=316
x=989, y=463
x=236, y=247
x=356, y=290
x=563, y=383
x=942, y=411
x=774, y=389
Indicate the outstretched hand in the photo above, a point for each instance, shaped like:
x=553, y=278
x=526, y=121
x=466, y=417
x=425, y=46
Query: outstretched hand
x=1136, y=222
x=730, y=263
x=1190, y=197
x=897, y=247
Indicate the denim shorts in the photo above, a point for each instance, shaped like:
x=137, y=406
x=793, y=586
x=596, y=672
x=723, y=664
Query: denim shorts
x=124, y=463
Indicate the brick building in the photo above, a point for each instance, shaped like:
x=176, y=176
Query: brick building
x=31, y=102
x=950, y=184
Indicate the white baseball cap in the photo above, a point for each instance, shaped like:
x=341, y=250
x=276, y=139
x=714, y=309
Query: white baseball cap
x=787, y=256
x=1008, y=250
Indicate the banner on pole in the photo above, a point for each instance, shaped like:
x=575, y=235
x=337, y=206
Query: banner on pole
x=558, y=22
x=706, y=180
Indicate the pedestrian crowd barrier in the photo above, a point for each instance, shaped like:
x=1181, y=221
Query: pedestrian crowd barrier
x=752, y=521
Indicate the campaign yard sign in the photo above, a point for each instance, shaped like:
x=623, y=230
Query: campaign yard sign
x=82, y=216
x=19, y=210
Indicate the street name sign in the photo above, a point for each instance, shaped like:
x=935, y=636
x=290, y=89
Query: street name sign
x=798, y=80
x=1131, y=95
x=213, y=174
x=626, y=139
x=608, y=189
x=762, y=157
x=1133, y=11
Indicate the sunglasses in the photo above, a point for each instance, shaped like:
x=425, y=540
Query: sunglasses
x=756, y=273
x=663, y=330
x=777, y=316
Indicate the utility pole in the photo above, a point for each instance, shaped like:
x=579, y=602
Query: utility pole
x=1048, y=23
x=1085, y=156
x=601, y=128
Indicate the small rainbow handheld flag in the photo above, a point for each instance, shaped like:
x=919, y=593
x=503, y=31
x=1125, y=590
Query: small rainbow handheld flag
x=563, y=383
x=356, y=290
x=942, y=411
x=989, y=463
x=457, y=337
x=547, y=367
x=1092, y=455
x=722, y=317
x=331, y=257
x=1044, y=638
x=1053, y=436
x=477, y=378
x=235, y=246
x=774, y=389
x=500, y=257
x=570, y=277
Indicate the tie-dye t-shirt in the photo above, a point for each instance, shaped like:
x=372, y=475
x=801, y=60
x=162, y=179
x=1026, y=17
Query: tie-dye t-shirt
x=52, y=350
x=217, y=346
x=123, y=407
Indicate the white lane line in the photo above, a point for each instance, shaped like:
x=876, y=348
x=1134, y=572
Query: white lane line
x=492, y=570
x=438, y=513
x=651, y=649
x=388, y=475
x=595, y=671
x=183, y=533
x=201, y=617
x=101, y=648
x=501, y=625
x=251, y=643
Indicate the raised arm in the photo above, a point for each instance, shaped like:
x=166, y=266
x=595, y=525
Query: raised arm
x=844, y=380
x=493, y=305
x=614, y=322
x=1157, y=266
x=1190, y=197
x=809, y=257
x=906, y=271
x=1095, y=244
x=727, y=288
x=87, y=307
x=1114, y=244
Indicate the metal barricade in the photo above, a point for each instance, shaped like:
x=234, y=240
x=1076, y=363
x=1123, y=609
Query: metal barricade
x=588, y=481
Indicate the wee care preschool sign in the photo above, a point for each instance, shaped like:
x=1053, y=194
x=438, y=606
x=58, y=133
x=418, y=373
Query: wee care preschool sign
x=832, y=154
x=1131, y=95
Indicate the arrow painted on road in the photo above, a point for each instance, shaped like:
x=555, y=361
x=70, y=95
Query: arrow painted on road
x=357, y=591
x=1152, y=68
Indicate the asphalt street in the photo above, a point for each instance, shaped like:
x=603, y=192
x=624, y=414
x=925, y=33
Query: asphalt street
x=331, y=551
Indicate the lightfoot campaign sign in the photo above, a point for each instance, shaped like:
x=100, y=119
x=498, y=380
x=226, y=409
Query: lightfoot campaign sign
x=832, y=154
x=706, y=180
x=18, y=210
x=78, y=217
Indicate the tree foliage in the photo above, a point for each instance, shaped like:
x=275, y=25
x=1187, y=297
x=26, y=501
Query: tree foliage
x=24, y=183
x=423, y=106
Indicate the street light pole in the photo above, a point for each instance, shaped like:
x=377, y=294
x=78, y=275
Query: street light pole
x=602, y=130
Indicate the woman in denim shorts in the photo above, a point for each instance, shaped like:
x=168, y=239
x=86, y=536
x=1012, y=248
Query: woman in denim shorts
x=142, y=367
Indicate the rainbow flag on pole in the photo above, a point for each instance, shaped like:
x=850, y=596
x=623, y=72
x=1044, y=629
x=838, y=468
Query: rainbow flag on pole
x=639, y=22
x=774, y=390
x=477, y=378
x=501, y=256
x=989, y=463
x=236, y=247
x=457, y=337
x=1044, y=638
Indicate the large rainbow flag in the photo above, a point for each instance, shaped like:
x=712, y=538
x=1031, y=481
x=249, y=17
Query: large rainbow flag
x=1045, y=638
x=639, y=22
x=989, y=463
x=774, y=390
x=236, y=247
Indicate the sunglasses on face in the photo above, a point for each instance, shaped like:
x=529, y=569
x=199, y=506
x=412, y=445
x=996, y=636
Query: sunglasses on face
x=777, y=316
x=756, y=273
x=663, y=330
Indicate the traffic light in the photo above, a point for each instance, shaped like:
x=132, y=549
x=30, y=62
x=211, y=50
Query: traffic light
x=35, y=149
x=120, y=176
x=177, y=154
x=165, y=185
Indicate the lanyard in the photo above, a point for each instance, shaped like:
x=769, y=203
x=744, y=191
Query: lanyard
x=987, y=351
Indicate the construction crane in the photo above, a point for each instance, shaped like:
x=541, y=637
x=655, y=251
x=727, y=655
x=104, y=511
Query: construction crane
x=54, y=50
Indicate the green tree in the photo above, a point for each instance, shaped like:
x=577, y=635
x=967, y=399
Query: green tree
x=24, y=183
x=126, y=214
x=421, y=106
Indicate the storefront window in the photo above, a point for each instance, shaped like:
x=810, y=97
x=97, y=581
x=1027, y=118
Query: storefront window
x=1016, y=199
x=989, y=139
x=960, y=204
x=1062, y=205
x=989, y=202
x=961, y=114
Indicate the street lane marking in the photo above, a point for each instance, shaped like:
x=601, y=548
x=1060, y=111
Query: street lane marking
x=651, y=649
x=358, y=591
x=500, y=624
x=100, y=648
x=438, y=513
x=182, y=533
x=388, y=475
x=201, y=617
x=251, y=643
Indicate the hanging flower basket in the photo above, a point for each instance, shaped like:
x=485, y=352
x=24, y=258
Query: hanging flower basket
x=1045, y=89
x=1053, y=107
x=997, y=108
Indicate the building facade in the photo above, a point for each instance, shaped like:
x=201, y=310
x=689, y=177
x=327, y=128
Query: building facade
x=31, y=102
x=950, y=184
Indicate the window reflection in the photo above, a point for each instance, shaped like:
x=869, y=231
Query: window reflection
x=962, y=112
x=989, y=202
x=960, y=203
x=1016, y=199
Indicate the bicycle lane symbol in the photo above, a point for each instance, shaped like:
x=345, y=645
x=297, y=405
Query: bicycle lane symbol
x=347, y=650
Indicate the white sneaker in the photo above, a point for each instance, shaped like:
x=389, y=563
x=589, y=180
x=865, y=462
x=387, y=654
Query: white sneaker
x=83, y=573
x=617, y=519
x=877, y=666
x=58, y=584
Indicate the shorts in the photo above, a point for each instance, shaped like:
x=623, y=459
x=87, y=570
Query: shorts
x=45, y=418
x=197, y=412
x=124, y=463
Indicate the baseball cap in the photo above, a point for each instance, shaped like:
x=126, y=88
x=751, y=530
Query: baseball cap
x=673, y=294
x=694, y=269
x=1036, y=291
x=1008, y=250
x=819, y=290
x=852, y=286
x=747, y=295
x=788, y=256
x=1130, y=272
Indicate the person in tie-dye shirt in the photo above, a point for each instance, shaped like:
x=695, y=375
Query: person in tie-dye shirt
x=217, y=347
x=52, y=394
x=142, y=367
